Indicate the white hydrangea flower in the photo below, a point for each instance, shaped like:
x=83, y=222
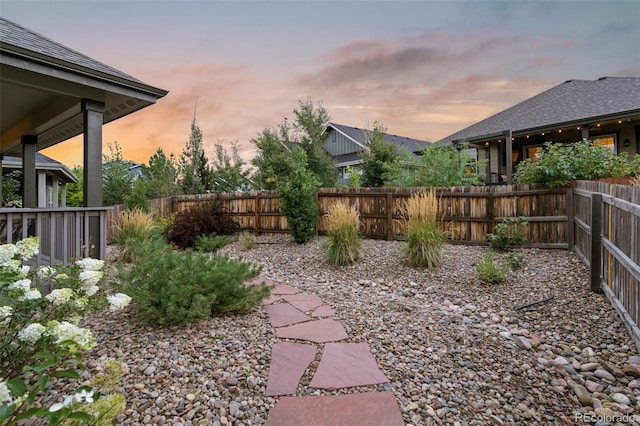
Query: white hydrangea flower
x=21, y=285
x=59, y=296
x=13, y=266
x=31, y=295
x=7, y=251
x=5, y=313
x=62, y=277
x=84, y=396
x=46, y=272
x=90, y=291
x=31, y=333
x=89, y=264
x=118, y=301
x=28, y=247
x=65, y=331
x=68, y=400
x=81, y=302
x=24, y=271
x=90, y=278
x=5, y=396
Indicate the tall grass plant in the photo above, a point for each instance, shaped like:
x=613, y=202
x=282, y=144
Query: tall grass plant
x=344, y=244
x=133, y=227
x=425, y=240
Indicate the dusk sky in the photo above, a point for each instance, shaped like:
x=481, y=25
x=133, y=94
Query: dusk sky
x=424, y=69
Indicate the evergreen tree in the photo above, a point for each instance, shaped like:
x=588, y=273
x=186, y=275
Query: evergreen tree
x=160, y=175
x=75, y=191
x=117, y=181
x=273, y=158
x=194, y=174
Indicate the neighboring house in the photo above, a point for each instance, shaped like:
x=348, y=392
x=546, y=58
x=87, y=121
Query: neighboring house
x=344, y=144
x=606, y=111
x=52, y=179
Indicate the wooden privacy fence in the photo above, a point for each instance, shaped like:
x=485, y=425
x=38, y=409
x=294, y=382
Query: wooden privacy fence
x=467, y=213
x=607, y=230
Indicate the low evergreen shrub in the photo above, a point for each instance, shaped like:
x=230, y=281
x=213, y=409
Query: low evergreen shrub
x=178, y=287
x=425, y=240
x=515, y=260
x=508, y=234
x=491, y=272
x=211, y=243
x=343, y=245
x=203, y=219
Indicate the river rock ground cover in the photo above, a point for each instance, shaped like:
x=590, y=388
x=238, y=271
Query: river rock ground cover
x=456, y=351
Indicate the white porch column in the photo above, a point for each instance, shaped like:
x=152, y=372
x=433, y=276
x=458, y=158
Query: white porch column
x=56, y=190
x=42, y=190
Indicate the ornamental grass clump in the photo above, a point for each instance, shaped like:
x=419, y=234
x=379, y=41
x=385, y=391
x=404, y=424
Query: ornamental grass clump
x=425, y=240
x=133, y=227
x=343, y=245
x=491, y=272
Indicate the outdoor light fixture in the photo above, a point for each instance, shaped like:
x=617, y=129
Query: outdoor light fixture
x=560, y=131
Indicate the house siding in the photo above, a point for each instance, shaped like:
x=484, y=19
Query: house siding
x=342, y=144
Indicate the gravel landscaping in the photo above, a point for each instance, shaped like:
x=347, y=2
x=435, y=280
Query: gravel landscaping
x=456, y=351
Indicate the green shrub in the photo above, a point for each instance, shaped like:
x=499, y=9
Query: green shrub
x=559, y=165
x=509, y=233
x=138, y=199
x=247, y=241
x=133, y=227
x=343, y=245
x=203, y=219
x=178, y=287
x=489, y=271
x=515, y=260
x=211, y=243
x=425, y=240
x=298, y=199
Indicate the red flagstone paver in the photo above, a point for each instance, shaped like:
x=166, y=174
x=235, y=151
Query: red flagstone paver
x=304, y=301
x=324, y=311
x=346, y=365
x=285, y=289
x=321, y=331
x=288, y=363
x=370, y=408
x=283, y=314
x=271, y=299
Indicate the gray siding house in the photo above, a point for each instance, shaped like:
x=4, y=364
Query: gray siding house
x=606, y=110
x=344, y=144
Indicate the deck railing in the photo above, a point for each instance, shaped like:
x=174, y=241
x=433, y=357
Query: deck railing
x=65, y=233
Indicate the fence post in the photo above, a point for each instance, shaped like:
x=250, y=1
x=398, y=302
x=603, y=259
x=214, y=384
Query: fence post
x=570, y=230
x=490, y=213
x=256, y=214
x=595, y=263
x=389, y=215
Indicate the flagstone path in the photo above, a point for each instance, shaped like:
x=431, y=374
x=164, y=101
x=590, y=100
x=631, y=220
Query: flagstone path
x=303, y=316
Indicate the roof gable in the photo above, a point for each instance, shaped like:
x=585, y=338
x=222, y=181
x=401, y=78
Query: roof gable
x=359, y=136
x=42, y=163
x=570, y=102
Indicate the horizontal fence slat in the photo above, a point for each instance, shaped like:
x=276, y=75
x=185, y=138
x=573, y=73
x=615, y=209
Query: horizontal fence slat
x=622, y=258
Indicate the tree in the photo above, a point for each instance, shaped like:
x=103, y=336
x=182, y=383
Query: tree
x=310, y=126
x=227, y=174
x=298, y=198
x=160, y=175
x=11, y=196
x=194, y=174
x=274, y=147
x=273, y=158
x=75, y=191
x=117, y=181
x=381, y=160
x=443, y=166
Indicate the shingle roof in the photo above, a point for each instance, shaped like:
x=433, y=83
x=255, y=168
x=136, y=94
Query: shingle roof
x=570, y=102
x=42, y=162
x=23, y=38
x=413, y=145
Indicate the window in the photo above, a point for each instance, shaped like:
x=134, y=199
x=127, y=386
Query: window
x=606, y=140
x=472, y=160
x=533, y=152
